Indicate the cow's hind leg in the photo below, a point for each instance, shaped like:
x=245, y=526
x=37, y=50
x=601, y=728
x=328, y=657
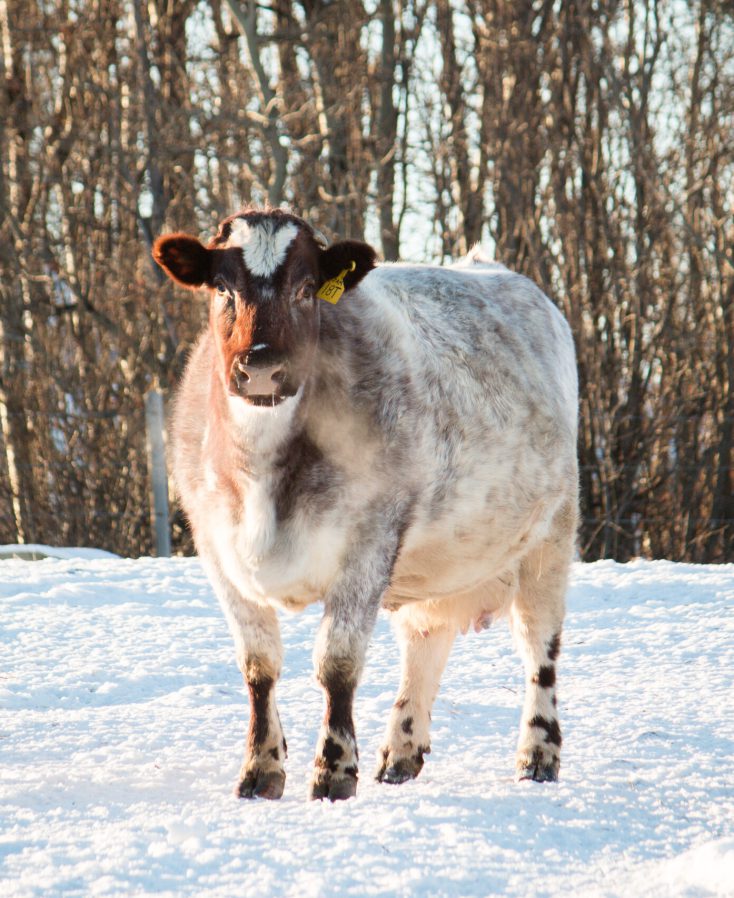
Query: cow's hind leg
x=407, y=738
x=537, y=618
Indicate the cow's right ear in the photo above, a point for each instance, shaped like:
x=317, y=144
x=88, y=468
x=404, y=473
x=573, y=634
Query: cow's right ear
x=352, y=256
x=184, y=259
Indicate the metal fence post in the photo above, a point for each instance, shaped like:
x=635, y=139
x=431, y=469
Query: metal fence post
x=158, y=475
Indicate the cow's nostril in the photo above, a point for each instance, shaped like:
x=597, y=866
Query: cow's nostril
x=278, y=376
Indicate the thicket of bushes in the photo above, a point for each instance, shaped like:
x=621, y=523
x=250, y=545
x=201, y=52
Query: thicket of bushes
x=587, y=143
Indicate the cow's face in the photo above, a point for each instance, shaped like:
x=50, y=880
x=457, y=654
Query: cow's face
x=263, y=270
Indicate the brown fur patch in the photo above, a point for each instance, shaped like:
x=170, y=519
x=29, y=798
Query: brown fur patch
x=332, y=753
x=546, y=676
x=551, y=727
x=233, y=340
x=339, y=697
x=554, y=647
x=259, y=700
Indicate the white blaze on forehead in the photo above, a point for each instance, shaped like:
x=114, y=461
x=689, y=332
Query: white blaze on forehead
x=264, y=244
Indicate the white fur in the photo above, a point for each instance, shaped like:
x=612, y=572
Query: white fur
x=263, y=427
x=244, y=548
x=264, y=247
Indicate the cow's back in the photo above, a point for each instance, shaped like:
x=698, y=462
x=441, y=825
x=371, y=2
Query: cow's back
x=466, y=337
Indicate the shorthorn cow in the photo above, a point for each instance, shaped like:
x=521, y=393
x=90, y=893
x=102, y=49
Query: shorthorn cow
x=411, y=446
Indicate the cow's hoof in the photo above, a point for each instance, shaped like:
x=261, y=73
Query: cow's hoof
x=541, y=767
x=400, y=770
x=261, y=784
x=542, y=773
x=334, y=789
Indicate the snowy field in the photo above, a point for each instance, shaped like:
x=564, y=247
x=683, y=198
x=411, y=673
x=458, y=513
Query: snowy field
x=122, y=721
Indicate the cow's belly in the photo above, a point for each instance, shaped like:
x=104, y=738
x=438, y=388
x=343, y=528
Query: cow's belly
x=449, y=560
x=461, y=581
x=446, y=569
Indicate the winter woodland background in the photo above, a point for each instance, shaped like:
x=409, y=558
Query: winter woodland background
x=587, y=143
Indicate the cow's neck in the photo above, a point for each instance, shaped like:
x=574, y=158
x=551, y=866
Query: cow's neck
x=258, y=436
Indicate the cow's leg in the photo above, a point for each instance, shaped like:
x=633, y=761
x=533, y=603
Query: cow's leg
x=338, y=659
x=262, y=774
x=537, y=618
x=349, y=617
x=335, y=765
x=259, y=656
x=407, y=738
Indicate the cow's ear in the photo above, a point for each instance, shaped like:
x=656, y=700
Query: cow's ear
x=184, y=259
x=339, y=257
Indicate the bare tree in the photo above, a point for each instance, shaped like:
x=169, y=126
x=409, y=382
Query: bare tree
x=588, y=145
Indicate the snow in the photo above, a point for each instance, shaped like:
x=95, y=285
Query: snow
x=122, y=721
x=37, y=551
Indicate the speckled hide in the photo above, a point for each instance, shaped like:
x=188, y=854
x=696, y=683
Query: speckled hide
x=418, y=452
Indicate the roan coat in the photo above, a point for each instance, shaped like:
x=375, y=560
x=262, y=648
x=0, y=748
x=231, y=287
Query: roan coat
x=411, y=447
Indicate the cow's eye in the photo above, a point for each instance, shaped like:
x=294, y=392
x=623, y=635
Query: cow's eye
x=305, y=291
x=222, y=289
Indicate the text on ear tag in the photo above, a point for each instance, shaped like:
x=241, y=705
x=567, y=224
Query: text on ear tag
x=332, y=289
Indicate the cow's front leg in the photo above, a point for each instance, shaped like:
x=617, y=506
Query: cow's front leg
x=349, y=618
x=339, y=658
x=259, y=656
x=423, y=655
x=335, y=765
x=262, y=774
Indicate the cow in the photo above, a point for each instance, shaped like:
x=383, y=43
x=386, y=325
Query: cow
x=411, y=446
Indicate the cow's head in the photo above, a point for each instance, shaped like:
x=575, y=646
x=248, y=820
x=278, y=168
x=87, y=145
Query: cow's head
x=262, y=271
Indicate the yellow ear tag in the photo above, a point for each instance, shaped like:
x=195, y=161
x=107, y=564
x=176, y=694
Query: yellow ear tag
x=332, y=289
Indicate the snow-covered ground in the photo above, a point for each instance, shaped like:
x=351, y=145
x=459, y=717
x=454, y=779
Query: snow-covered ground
x=122, y=721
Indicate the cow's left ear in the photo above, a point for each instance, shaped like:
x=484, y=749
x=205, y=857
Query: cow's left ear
x=339, y=257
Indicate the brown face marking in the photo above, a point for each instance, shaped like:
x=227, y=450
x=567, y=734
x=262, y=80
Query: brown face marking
x=271, y=309
x=407, y=726
x=233, y=337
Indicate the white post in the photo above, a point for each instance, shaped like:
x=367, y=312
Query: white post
x=157, y=472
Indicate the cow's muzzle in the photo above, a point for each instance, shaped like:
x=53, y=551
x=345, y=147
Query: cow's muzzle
x=261, y=377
